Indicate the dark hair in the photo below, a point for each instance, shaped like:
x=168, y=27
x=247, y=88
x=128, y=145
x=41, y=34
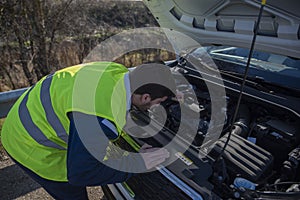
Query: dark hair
x=154, y=90
x=154, y=79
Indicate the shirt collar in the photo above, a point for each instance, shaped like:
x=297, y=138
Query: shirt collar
x=128, y=91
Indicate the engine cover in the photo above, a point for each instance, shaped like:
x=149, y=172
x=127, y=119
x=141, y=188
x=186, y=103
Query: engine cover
x=243, y=158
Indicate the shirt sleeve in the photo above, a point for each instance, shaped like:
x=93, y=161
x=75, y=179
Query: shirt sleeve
x=84, y=168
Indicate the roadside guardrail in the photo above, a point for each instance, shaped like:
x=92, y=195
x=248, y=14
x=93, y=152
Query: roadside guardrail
x=7, y=100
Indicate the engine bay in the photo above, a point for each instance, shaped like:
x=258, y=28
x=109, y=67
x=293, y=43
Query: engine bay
x=260, y=159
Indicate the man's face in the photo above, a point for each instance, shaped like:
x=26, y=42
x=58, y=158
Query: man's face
x=145, y=102
x=156, y=102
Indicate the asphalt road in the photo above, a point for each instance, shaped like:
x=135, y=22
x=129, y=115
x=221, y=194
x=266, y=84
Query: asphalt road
x=14, y=184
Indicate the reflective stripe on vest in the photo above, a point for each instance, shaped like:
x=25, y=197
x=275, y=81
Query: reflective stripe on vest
x=52, y=118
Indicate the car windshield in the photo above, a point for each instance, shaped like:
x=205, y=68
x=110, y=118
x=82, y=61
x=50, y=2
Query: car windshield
x=272, y=68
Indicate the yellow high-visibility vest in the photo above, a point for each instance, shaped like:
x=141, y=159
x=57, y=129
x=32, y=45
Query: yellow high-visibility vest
x=35, y=132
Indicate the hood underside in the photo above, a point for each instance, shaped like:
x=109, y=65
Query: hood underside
x=232, y=22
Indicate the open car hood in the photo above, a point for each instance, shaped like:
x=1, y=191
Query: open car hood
x=232, y=22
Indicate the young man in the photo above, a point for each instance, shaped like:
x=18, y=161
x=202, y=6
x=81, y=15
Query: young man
x=59, y=130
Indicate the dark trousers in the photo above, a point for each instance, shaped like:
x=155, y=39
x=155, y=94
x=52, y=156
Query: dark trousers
x=58, y=190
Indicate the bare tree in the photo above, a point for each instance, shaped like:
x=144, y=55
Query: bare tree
x=44, y=22
x=32, y=25
x=31, y=32
x=12, y=30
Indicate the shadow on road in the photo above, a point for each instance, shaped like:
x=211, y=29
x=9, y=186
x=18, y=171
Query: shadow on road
x=15, y=183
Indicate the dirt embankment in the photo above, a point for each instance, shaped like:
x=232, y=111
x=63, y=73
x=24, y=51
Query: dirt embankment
x=84, y=28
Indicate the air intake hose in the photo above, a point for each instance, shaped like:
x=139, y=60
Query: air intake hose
x=241, y=126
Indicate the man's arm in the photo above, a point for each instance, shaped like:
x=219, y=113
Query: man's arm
x=82, y=167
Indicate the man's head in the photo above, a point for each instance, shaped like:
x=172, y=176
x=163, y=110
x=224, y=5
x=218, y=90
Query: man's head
x=151, y=84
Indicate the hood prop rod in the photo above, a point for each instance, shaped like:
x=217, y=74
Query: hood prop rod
x=263, y=3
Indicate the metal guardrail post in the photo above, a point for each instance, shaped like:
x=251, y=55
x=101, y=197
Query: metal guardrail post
x=7, y=100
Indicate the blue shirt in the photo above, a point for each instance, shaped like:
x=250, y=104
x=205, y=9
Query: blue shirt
x=83, y=169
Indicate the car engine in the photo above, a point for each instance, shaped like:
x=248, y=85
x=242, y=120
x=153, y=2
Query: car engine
x=261, y=159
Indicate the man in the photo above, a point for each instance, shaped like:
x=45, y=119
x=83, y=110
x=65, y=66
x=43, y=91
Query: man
x=58, y=131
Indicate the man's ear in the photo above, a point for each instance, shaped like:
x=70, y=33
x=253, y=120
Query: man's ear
x=145, y=98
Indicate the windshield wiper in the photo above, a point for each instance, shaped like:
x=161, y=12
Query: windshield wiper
x=256, y=81
x=261, y=84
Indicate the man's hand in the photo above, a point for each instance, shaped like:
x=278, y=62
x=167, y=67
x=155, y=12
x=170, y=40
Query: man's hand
x=179, y=96
x=153, y=156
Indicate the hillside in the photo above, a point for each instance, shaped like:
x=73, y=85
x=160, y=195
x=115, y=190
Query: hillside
x=69, y=38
